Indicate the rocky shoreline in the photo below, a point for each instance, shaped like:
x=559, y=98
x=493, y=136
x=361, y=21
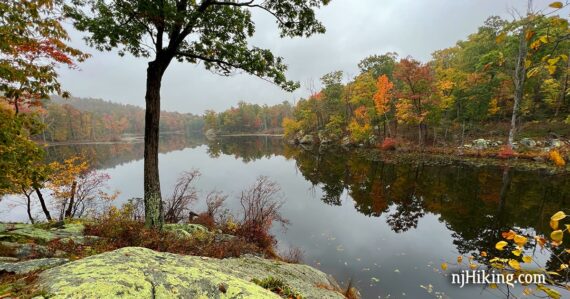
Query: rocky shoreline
x=135, y=272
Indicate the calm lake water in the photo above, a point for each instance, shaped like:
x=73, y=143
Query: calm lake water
x=387, y=226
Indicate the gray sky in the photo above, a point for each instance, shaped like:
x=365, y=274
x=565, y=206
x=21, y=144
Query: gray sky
x=355, y=29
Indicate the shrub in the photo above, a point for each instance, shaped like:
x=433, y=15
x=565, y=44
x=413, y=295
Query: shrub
x=278, y=287
x=293, y=255
x=260, y=209
x=177, y=205
x=389, y=144
x=506, y=152
x=557, y=158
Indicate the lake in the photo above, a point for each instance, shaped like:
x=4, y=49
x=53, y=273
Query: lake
x=385, y=224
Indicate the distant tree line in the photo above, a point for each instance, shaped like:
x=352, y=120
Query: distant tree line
x=249, y=118
x=77, y=119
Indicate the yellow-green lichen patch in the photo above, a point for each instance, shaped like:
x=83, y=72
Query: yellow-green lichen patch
x=143, y=273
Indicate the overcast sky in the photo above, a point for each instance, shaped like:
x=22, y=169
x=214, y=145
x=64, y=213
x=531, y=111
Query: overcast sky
x=355, y=29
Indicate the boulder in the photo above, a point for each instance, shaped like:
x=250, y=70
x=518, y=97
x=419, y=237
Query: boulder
x=210, y=134
x=34, y=232
x=480, y=143
x=31, y=265
x=527, y=142
x=134, y=272
x=307, y=139
x=25, y=250
x=346, y=142
x=555, y=143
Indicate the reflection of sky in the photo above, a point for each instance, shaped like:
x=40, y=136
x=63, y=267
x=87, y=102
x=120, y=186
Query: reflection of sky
x=336, y=239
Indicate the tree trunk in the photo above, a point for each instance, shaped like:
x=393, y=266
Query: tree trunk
x=154, y=216
x=68, y=213
x=519, y=76
x=28, y=204
x=43, y=203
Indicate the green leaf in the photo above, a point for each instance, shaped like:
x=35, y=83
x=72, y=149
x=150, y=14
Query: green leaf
x=556, y=4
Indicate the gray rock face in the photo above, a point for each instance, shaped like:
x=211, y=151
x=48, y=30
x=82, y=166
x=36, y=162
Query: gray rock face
x=555, y=143
x=346, y=142
x=142, y=273
x=527, y=142
x=480, y=143
x=307, y=139
x=26, y=250
x=210, y=134
x=31, y=265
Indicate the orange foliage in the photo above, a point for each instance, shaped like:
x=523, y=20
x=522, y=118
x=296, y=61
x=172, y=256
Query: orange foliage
x=383, y=95
x=506, y=152
x=556, y=157
x=389, y=144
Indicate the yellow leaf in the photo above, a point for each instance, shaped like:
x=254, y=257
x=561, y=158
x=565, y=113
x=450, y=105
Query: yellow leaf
x=553, y=61
x=564, y=57
x=550, y=292
x=473, y=266
x=527, y=291
x=528, y=34
x=459, y=259
x=527, y=259
x=501, y=37
x=554, y=224
x=514, y=264
x=517, y=252
x=563, y=266
x=543, y=39
x=532, y=72
x=520, y=240
x=501, y=245
x=557, y=235
x=444, y=266
x=484, y=253
x=551, y=69
x=527, y=63
x=493, y=286
x=556, y=4
x=558, y=216
x=567, y=250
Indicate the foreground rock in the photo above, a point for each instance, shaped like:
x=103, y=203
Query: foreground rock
x=31, y=265
x=134, y=272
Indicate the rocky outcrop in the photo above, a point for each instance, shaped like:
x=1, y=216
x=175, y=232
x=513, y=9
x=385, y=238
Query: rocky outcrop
x=307, y=139
x=210, y=134
x=134, y=272
x=480, y=143
x=527, y=142
x=31, y=265
x=37, y=233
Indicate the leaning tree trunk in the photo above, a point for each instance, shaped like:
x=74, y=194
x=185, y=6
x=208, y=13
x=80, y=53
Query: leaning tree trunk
x=154, y=217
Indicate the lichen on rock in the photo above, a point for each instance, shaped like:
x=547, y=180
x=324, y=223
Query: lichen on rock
x=134, y=272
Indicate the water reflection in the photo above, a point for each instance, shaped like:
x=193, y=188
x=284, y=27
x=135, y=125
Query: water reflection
x=399, y=215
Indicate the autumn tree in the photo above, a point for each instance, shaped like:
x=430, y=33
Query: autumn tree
x=383, y=99
x=416, y=94
x=209, y=31
x=32, y=46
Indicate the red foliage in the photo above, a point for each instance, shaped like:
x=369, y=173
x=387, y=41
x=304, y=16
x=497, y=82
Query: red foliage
x=506, y=153
x=389, y=144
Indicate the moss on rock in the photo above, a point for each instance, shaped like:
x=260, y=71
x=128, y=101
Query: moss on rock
x=134, y=272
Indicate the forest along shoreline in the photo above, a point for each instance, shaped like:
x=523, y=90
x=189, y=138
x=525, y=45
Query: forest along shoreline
x=531, y=154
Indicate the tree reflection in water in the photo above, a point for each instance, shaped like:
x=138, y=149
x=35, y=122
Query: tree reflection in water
x=475, y=203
